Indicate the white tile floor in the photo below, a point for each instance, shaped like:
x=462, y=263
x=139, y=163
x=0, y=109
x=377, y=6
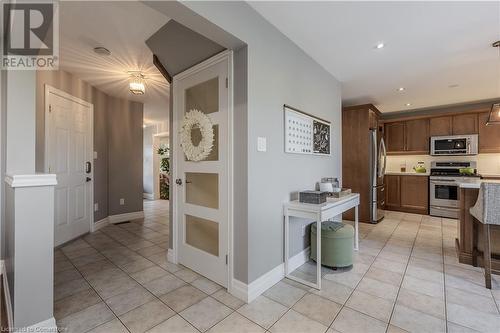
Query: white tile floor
x=406, y=277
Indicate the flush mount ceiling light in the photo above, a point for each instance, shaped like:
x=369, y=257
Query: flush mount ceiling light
x=102, y=51
x=408, y=104
x=137, y=84
x=401, y=89
x=494, y=117
x=380, y=46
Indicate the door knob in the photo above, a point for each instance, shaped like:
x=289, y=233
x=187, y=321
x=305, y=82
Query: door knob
x=178, y=181
x=88, y=179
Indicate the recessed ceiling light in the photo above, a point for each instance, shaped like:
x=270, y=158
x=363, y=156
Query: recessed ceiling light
x=408, y=104
x=102, y=51
x=380, y=45
x=401, y=89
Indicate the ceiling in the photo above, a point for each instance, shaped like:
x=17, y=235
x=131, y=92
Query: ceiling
x=122, y=27
x=440, y=52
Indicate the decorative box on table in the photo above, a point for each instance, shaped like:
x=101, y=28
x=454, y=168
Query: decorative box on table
x=313, y=197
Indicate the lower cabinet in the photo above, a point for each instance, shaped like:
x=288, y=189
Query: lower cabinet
x=407, y=193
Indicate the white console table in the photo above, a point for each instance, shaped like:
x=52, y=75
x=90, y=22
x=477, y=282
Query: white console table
x=322, y=212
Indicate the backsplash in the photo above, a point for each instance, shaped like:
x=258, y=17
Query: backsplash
x=487, y=164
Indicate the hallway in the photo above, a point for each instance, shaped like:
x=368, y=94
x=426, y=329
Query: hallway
x=406, y=277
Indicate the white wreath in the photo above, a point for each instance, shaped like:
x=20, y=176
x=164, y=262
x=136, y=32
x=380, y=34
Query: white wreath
x=196, y=119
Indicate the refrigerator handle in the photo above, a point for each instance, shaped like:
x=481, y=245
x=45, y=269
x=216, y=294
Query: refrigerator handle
x=383, y=152
x=376, y=166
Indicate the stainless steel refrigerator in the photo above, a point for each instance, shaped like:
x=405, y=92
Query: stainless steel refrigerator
x=378, y=161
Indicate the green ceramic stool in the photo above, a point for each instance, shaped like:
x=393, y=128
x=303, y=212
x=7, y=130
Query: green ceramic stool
x=337, y=243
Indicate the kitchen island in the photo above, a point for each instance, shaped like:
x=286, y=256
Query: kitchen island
x=469, y=189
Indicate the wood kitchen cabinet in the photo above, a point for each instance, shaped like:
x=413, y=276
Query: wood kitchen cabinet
x=465, y=124
x=407, y=193
x=392, y=192
x=415, y=194
x=407, y=137
x=489, y=136
x=440, y=126
x=417, y=136
x=395, y=137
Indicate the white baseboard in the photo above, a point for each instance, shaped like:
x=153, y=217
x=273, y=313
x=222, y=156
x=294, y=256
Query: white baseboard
x=48, y=325
x=299, y=259
x=8, y=304
x=148, y=196
x=249, y=292
x=101, y=223
x=239, y=290
x=171, y=256
x=125, y=217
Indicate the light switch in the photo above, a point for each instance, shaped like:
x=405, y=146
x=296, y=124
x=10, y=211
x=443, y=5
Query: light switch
x=261, y=144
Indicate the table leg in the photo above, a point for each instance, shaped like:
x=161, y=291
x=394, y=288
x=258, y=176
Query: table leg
x=356, y=234
x=287, y=241
x=318, y=251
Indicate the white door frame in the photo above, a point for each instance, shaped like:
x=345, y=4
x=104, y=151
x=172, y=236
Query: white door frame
x=225, y=55
x=48, y=90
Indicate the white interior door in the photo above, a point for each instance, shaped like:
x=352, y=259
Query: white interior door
x=202, y=192
x=69, y=156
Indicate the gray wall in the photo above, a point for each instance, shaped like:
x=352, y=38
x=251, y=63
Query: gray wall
x=278, y=72
x=111, y=117
x=125, y=156
x=20, y=122
x=147, y=147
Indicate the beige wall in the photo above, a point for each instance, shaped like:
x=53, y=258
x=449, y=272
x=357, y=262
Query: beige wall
x=109, y=142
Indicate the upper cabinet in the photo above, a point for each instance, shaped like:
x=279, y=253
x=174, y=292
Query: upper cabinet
x=407, y=137
x=412, y=136
x=489, y=136
x=395, y=137
x=417, y=136
x=441, y=126
x=465, y=124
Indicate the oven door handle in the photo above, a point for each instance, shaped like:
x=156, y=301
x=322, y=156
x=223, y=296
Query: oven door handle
x=445, y=208
x=452, y=183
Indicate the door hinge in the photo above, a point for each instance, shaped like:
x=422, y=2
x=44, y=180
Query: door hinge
x=227, y=259
x=50, y=108
x=227, y=82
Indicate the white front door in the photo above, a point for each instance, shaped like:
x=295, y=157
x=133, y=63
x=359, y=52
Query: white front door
x=202, y=190
x=69, y=156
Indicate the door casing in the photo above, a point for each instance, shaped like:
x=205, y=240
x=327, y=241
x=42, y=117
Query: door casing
x=225, y=55
x=51, y=90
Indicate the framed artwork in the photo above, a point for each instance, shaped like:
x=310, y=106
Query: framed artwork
x=306, y=134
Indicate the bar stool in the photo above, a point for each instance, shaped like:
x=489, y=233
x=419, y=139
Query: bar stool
x=485, y=211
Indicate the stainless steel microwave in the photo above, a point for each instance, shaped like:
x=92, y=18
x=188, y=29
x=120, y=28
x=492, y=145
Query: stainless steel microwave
x=454, y=145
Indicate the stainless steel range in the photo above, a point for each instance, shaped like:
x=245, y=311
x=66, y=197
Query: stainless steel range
x=444, y=192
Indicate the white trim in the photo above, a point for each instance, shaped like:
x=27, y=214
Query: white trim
x=149, y=196
x=125, y=217
x=48, y=325
x=222, y=56
x=171, y=256
x=48, y=90
x=299, y=259
x=8, y=304
x=41, y=179
x=101, y=224
x=249, y=292
x=239, y=290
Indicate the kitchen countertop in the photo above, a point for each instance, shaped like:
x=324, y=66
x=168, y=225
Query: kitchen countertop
x=474, y=182
x=408, y=173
